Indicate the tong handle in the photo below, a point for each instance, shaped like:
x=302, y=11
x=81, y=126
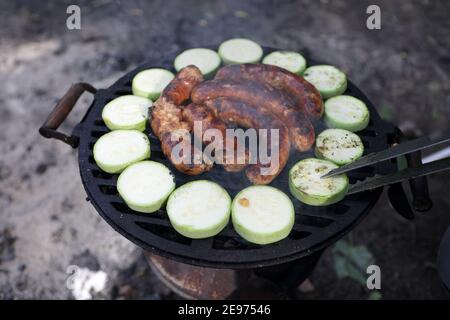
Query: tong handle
x=61, y=111
x=419, y=186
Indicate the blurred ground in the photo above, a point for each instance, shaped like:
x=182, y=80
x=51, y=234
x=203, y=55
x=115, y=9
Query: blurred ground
x=45, y=222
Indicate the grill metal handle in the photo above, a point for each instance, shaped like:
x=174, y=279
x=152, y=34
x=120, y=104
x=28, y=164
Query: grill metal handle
x=61, y=111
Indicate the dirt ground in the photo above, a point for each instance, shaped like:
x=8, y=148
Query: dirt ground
x=45, y=222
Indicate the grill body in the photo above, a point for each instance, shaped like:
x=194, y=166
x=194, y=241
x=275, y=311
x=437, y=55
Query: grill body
x=315, y=227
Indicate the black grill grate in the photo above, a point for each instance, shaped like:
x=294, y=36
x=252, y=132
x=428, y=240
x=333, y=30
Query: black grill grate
x=315, y=227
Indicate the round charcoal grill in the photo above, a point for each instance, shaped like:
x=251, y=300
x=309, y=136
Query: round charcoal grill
x=315, y=227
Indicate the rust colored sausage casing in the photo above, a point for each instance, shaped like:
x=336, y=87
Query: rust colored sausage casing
x=191, y=163
x=231, y=110
x=180, y=88
x=264, y=96
x=167, y=124
x=231, y=160
x=307, y=98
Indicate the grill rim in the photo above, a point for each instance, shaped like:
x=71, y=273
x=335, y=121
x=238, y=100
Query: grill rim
x=124, y=224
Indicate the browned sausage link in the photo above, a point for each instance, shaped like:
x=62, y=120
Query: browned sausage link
x=273, y=100
x=166, y=117
x=229, y=149
x=171, y=130
x=301, y=130
x=184, y=162
x=306, y=96
x=236, y=111
x=179, y=89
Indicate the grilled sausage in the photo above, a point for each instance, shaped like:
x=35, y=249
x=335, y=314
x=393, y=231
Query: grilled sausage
x=167, y=123
x=307, y=98
x=265, y=96
x=180, y=88
x=231, y=110
x=228, y=149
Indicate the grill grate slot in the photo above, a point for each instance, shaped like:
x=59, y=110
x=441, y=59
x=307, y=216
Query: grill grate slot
x=313, y=220
x=166, y=232
x=367, y=133
x=100, y=123
x=102, y=175
x=122, y=208
x=327, y=212
x=108, y=189
x=156, y=153
x=232, y=243
x=298, y=235
x=228, y=231
x=123, y=91
x=153, y=219
x=98, y=133
x=339, y=208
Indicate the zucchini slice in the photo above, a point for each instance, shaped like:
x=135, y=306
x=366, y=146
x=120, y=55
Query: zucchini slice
x=199, y=209
x=289, y=60
x=346, y=112
x=207, y=60
x=116, y=150
x=151, y=82
x=262, y=214
x=339, y=146
x=240, y=50
x=145, y=186
x=306, y=184
x=329, y=80
x=126, y=113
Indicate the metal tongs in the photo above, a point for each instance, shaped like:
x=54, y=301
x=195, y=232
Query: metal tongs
x=394, y=152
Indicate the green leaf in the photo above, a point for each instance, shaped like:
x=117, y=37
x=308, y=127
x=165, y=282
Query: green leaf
x=386, y=113
x=344, y=269
x=375, y=295
x=351, y=261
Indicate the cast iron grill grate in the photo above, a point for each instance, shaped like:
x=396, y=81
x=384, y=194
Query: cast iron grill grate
x=315, y=227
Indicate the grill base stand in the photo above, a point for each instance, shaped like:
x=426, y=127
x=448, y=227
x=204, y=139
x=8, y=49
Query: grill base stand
x=198, y=283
